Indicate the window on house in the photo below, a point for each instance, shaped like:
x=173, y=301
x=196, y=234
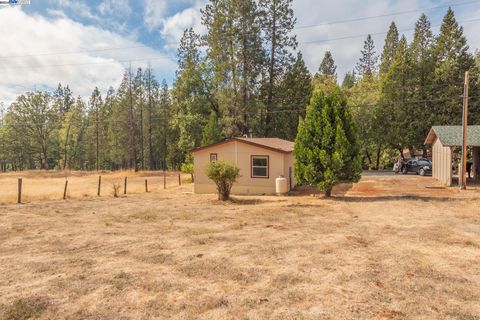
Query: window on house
x=213, y=157
x=259, y=166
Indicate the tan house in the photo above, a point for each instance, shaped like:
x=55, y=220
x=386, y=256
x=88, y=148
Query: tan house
x=261, y=161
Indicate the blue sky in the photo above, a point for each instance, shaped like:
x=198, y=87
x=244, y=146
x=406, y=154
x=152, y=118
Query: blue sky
x=87, y=43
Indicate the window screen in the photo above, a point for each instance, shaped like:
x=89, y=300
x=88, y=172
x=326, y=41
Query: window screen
x=259, y=166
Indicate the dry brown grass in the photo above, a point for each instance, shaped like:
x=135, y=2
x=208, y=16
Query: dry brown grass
x=49, y=185
x=175, y=255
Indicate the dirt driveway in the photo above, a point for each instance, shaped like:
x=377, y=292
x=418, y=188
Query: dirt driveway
x=390, y=185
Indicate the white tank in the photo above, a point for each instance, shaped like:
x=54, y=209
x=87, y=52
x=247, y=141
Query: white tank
x=281, y=185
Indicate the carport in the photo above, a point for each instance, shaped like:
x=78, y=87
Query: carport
x=446, y=141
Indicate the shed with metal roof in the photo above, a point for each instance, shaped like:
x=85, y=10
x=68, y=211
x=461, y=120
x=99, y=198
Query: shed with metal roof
x=444, y=141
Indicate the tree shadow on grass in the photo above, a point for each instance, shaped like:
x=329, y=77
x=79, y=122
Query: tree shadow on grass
x=254, y=201
x=394, y=198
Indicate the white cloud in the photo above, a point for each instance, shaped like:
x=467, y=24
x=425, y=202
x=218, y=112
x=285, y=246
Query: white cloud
x=156, y=16
x=154, y=13
x=114, y=7
x=26, y=59
x=174, y=26
x=80, y=8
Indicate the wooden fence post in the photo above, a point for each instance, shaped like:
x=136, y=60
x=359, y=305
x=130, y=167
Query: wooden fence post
x=125, y=186
x=164, y=180
x=146, y=185
x=179, y=180
x=99, y=185
x=19, y=200
x=65, y=190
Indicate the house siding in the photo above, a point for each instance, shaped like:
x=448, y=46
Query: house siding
x=240, y=154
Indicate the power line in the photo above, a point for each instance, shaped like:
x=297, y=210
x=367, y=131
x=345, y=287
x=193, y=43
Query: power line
x=377, y=33
x=296, y=28
x=171, y=58
x=72, y=52
x=87, y=63
x=385, y=15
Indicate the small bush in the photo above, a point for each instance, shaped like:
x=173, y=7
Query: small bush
x=224, y=175
x=116, y=189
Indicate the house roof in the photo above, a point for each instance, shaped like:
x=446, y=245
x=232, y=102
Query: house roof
x=275, y=144
x=452, y=135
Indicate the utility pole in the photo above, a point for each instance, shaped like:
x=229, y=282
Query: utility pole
x=462, y=177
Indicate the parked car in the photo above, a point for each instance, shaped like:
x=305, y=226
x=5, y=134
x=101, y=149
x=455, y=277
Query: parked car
x=422, y=167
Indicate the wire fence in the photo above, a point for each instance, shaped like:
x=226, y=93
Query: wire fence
x=26, y=187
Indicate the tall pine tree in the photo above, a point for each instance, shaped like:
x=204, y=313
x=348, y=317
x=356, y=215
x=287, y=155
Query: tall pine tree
x=367, y=65
x=212, y=132
x=389, y=49
x=421, y=50
x=191, y=105
x=277, y=22
x=296, y=89
x=236, y=56
x=327, y=67
x=396, y=96
x=452, y=60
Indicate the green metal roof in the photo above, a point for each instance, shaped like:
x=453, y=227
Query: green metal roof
x=452, y=135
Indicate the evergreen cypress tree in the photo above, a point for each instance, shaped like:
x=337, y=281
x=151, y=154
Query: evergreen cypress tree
x=367, y=65
x=326, y=148
x=389, y=49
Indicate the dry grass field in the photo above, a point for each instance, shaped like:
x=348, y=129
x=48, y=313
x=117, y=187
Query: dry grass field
x=170, y=254
x=49, y=185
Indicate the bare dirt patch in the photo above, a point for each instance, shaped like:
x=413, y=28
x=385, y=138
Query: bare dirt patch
x=175, y=255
